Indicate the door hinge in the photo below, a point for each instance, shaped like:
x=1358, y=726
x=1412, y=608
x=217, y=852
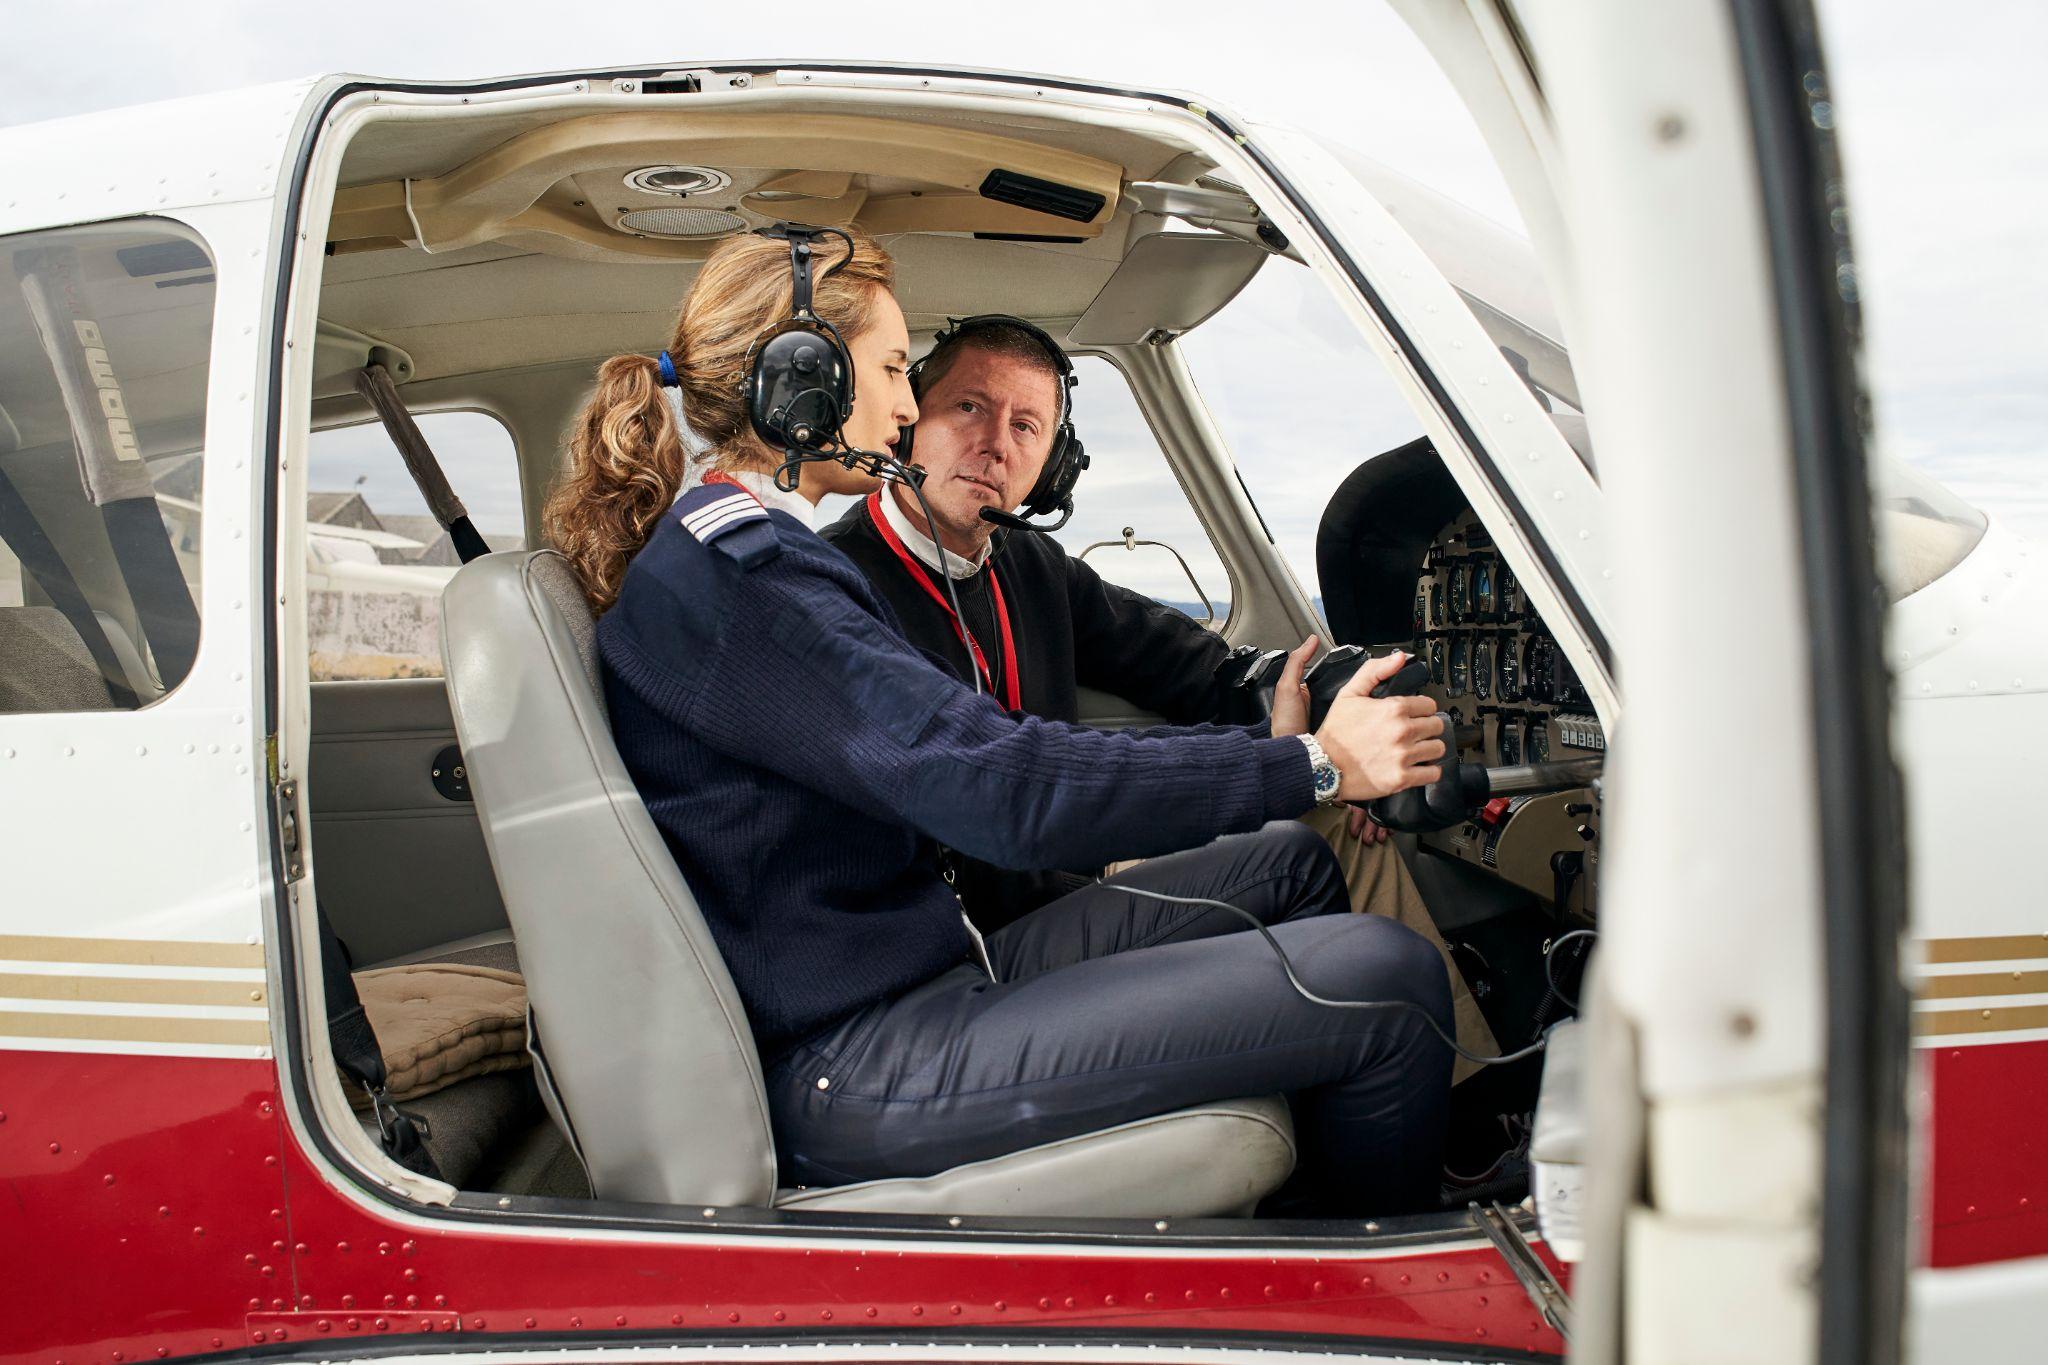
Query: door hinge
x=290, y=834
x=1546, y=1295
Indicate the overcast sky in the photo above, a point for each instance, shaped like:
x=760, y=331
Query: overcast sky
x=1944, y=124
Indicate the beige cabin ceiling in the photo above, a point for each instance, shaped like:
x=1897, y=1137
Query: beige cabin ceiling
x=528, y=266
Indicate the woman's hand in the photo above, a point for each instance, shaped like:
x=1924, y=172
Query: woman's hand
x=1381, y=745
x=1290, y=697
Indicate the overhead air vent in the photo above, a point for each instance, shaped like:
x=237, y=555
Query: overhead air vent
x=1044, y=196
x=677, y=180
x=682, y=222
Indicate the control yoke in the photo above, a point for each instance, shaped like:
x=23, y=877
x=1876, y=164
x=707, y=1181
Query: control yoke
x=1464, y=787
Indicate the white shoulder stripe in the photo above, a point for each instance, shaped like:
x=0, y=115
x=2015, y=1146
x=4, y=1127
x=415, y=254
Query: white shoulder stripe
x=703, y=528
x=718, y=504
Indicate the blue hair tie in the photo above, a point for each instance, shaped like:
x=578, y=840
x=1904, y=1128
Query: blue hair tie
x=668, y=372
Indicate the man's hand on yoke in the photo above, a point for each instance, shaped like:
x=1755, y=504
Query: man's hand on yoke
x=1381, y=745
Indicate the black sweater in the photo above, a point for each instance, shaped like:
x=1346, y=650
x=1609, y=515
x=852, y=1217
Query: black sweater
x=1070, y=629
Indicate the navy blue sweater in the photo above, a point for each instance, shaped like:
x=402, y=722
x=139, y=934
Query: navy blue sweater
x=801, y=757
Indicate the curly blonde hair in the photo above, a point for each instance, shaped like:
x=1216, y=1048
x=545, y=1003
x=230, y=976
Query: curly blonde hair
x=626, y=460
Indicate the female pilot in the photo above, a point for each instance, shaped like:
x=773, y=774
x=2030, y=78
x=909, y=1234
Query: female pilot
x=808, y=768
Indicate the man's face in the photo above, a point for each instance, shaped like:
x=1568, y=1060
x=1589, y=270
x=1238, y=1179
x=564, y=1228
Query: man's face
x=984, y=430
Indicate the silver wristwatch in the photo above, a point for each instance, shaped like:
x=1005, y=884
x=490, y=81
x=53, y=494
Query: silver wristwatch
x=1325, y=775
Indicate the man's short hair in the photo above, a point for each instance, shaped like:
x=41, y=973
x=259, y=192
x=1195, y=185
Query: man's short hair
x=1004, y=339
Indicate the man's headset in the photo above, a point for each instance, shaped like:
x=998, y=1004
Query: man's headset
x=1053, y=493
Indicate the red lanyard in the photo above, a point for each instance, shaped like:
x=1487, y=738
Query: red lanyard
x=1013, y=691
x=720, y=476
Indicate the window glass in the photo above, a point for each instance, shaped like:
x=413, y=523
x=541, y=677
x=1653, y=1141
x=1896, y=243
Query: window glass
x=1300, y=399
x=1495, y=271
x=1129, y=484
x=105, y=339
x=376, y=560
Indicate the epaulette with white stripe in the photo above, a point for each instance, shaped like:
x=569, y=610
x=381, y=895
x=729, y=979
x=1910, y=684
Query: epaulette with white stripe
x=731, y=520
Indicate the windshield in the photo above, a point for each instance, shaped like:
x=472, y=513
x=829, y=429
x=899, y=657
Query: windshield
x=1923, y=529
x=1495, y=272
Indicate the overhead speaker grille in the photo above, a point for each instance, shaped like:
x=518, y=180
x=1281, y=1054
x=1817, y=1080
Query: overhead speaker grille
x=682, y=221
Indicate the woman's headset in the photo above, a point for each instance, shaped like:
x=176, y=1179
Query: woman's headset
x=799, y=375
x=1053, y=493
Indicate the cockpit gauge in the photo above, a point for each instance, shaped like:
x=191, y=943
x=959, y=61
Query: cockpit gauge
x=1482, y=668
x=1421, y=607
x=1461, y=594
x=1538, y=748
x=1461, y=667
x=1536, y=661
x=1436, y=605
x=1510, y=741
x=1510, y=595
x=1437, y=673
x=1483, y=599
x=1510, y=667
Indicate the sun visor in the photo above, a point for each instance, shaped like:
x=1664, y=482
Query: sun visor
x=1170, y=282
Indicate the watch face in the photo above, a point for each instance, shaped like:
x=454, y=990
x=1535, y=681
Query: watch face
x=1326, y=780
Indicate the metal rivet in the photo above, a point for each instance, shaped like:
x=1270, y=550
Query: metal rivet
x=954, y=1221
x=1160, y=1226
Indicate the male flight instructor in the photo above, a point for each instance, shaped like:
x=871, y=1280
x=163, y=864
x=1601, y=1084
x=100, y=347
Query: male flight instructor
x=995, y=430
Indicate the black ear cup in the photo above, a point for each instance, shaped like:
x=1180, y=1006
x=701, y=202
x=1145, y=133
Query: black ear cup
x=799, y=373
x=1054, y=491
x=800, y=386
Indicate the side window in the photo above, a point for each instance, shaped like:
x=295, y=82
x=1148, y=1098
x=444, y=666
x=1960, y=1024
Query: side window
x=376, y=560
x=1130, y=484
x=106, y=333
x=1300, y=399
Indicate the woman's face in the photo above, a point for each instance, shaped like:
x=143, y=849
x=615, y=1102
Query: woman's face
x=882, y=402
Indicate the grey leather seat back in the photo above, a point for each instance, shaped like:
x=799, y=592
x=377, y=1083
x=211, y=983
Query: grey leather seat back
x=651, y=1052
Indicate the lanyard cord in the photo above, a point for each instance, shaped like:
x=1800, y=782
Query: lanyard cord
x=1012, y=691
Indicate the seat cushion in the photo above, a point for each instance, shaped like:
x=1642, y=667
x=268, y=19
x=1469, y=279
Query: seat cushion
x=1219, y=1159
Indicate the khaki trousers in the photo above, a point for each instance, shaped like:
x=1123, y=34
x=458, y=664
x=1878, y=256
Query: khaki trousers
x=1379, y=884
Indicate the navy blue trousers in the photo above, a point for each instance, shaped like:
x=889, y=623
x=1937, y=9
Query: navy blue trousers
x=1109, y=1007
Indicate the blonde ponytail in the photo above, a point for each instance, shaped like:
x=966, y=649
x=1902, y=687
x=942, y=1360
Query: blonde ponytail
x=625, y=468
x=626, y=458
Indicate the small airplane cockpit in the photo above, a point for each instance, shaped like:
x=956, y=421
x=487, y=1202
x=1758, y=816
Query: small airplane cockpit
x=553, y=1019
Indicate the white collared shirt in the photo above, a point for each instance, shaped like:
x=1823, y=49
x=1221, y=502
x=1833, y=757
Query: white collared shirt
x=762, y=486
x=922, y=545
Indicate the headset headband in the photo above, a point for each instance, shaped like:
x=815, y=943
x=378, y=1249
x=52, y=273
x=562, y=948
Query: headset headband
x=959, y=330
x=802, y=239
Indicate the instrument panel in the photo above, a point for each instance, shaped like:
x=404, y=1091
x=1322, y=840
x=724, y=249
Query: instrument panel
x=1495, y=666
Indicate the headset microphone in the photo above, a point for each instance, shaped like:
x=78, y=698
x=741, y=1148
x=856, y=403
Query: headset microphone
x=1017, y=523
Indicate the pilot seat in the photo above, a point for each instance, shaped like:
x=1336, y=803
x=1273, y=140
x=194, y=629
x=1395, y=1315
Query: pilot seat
x=639, y=1040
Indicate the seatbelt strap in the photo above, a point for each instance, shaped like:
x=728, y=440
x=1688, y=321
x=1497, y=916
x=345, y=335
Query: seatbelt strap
x=373, y=382
x=111, y=469
x=356, y=1052
x=24, y=535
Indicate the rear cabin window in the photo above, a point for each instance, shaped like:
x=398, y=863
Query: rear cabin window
x=376, y=560
x=106, y=332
